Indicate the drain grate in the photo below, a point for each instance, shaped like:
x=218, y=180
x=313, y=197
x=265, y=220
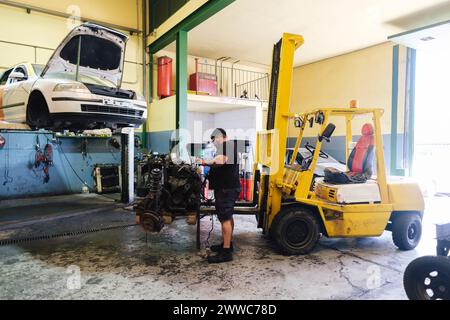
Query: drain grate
x=9, y=242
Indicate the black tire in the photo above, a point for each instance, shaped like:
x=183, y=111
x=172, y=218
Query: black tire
x=274, y=225
x=428, y=278
x=296, y=231
x=407, y=231
x=442, y=249
x=38, y=115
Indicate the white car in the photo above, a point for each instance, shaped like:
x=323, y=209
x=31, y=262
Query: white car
x=78, y=89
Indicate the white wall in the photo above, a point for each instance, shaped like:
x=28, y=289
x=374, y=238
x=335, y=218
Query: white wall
x=240, y=124
x=198, y=125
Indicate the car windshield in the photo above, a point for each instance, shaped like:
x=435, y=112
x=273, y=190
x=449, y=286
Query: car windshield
x=38, y=68
x=82, y=78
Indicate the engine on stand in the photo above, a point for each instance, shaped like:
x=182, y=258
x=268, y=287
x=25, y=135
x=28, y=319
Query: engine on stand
x=172, y=190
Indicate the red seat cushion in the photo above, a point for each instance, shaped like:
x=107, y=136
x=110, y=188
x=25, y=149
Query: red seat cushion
x=361, y=158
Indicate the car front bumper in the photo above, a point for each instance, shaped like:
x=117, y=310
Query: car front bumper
x=95, y=118
x=98, y=109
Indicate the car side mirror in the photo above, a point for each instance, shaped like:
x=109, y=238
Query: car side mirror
x=327, y=133
x=17, y=76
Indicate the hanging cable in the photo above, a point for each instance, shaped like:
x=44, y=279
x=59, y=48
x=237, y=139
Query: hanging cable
x=208, y=245
x=8, y=178
x=91, y=189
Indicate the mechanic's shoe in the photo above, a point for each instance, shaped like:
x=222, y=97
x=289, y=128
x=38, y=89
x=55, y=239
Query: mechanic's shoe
x=219, y=247
x=222, y=256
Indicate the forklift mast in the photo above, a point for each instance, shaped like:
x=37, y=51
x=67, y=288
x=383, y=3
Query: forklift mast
x=272, y=144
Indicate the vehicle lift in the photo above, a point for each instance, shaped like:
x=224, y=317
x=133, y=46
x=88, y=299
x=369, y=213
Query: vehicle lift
x=292, y=213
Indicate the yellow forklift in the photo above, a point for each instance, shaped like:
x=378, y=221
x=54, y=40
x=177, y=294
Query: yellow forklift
x=293, y=205
x=296, y=207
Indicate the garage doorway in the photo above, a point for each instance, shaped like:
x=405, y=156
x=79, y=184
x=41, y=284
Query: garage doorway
x=432, y=123
x=424, y=138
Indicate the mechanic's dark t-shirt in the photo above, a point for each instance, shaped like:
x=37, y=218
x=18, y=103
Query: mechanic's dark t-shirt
x=226, y=176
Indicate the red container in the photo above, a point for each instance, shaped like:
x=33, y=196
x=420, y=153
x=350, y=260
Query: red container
x=242, y=194
x=203, y=83
x=248, y=187
x=164, y=77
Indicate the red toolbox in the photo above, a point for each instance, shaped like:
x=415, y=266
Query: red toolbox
x=207, y=83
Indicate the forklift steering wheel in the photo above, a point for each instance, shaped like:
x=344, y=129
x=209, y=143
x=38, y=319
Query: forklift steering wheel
x=312, y=149
x=306, y=163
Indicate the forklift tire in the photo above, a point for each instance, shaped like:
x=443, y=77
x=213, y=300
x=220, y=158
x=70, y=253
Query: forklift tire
x=407, y=231
x=428, y=278
x=276, y=220
x=296, y=231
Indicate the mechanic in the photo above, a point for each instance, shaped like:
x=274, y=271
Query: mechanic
x=224, y=180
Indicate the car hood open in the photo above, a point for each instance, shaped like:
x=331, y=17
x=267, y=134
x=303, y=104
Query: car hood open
x=100, y=52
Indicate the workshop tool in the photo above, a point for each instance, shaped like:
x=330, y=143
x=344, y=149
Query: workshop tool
x=44, y=159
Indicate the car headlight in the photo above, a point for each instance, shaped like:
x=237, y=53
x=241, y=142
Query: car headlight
x=71, y=87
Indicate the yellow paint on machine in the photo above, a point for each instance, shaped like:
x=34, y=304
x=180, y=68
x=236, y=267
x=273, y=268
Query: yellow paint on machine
x=405, y=195
x=358, y=224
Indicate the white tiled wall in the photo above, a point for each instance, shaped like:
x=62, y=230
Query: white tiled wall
x=239, y=124
x=199, y=123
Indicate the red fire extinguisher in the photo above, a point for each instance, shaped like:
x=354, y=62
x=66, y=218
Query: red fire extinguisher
x=248, y=187
x=164, y=77
x=242, y=179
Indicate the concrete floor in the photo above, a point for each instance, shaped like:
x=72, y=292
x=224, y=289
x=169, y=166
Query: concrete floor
x=120, y=264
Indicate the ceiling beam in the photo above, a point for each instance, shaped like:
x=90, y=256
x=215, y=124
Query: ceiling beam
x=196, y=18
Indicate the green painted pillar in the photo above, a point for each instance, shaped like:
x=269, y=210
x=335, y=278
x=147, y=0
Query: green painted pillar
x=394, y=115
x=182, y=94
x=402, y=163
x=182, y=80
x=411, y=103
x=145, y=132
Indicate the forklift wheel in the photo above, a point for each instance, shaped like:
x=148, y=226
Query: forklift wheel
x=428, y=278
x=296, y=231
x=407, y=231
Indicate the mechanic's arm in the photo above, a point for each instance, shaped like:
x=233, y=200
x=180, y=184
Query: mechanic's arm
x=218, y=161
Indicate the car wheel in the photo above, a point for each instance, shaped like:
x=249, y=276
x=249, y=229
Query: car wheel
x=38, y=115
x=296, y=231
x=407, y=231
x=428, y=278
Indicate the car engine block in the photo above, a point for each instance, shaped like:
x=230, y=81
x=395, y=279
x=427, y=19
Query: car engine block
x=172, y=190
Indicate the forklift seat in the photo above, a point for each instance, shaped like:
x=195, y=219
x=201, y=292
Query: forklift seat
x=360, y=161
x=361, y=158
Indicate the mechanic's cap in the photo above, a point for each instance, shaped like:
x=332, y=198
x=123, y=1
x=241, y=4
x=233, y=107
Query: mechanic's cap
x=218, y=132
